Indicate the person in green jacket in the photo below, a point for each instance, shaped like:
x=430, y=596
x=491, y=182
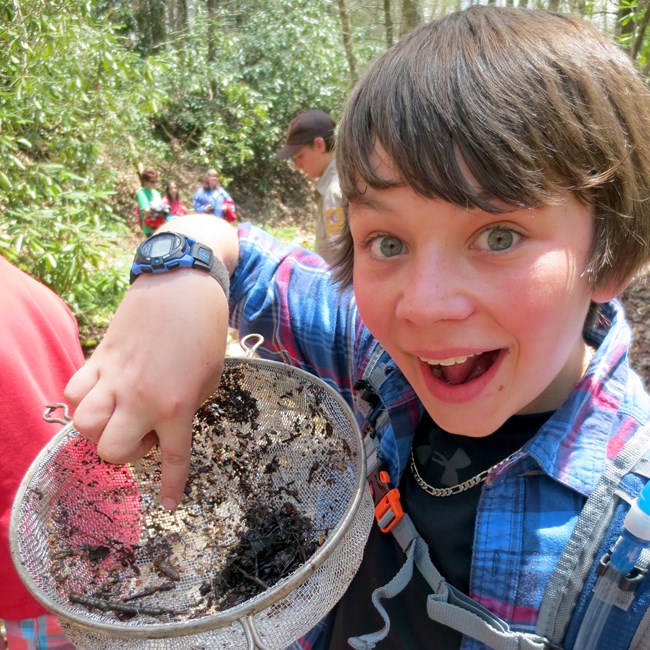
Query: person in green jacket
x=146, y=196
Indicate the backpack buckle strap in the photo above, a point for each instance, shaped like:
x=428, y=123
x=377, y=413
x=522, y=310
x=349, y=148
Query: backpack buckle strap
x=388, y=507
x=454, y=609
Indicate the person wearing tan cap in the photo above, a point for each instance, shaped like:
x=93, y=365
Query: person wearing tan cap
x=310, y=142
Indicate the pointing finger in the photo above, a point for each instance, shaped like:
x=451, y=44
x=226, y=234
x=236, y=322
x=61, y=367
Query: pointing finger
x=175, y=451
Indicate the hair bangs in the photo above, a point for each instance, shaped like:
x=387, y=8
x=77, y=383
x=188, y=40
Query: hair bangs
x=496, y=108
x=433, y=116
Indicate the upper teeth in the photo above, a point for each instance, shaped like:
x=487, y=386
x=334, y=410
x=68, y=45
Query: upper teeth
x=446, y=362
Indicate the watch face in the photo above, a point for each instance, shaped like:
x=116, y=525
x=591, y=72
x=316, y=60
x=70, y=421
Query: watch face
x=160, y=246
x=167, y=251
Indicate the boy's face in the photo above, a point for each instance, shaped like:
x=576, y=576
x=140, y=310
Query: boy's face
x=483, y=313
x=311, y=160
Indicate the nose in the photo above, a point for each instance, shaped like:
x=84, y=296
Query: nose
x=437, y=287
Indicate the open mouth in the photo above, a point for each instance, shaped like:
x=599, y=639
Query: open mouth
x=462, y=369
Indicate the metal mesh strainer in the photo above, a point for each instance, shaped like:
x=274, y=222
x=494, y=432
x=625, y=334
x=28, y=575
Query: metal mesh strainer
x=268, y=538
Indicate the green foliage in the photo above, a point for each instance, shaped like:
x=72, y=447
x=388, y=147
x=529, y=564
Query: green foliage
x=231, y=113
x=82, y=96
x=89, y=88
x=71, y=98
x=79, y=246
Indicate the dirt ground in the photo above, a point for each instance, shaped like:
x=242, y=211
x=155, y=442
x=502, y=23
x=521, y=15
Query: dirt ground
x=637, y=303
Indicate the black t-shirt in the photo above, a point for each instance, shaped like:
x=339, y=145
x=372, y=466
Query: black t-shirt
x=445, y=523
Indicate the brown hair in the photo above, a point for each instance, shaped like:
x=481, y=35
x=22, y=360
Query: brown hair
x=530, y=103
x=148, y=174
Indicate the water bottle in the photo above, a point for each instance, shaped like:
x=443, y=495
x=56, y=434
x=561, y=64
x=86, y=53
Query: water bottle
x=634, y=537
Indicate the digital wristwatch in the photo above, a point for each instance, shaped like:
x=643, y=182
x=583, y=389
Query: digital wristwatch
x=168, y=251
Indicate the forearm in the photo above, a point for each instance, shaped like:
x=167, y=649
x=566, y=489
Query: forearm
x=160, y=358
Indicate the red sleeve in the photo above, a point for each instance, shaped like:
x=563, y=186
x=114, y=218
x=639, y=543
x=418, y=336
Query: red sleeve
x=40, y=351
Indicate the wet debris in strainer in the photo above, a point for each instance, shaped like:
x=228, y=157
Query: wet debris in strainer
x=243, y=526
x=275, y=544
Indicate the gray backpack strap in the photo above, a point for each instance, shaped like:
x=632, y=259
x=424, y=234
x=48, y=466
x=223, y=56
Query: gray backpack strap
x=642, y=636
x=446, y=605
x=578, y=556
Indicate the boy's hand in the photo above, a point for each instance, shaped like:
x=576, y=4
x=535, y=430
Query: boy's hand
x=161, y=357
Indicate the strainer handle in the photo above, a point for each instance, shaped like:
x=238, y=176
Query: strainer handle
x=251, y=348
x=253, y=640
x=47, y=415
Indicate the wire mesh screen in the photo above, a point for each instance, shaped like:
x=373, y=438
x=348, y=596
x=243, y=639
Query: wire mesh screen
x=267, y=539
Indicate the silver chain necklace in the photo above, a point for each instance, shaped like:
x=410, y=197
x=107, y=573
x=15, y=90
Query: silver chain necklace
x=461, y=487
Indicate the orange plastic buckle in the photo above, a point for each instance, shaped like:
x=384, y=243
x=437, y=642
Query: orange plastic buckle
x=389, y=511
x=388, y=508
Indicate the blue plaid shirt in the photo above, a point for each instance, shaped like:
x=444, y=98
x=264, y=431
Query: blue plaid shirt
x=529, y=507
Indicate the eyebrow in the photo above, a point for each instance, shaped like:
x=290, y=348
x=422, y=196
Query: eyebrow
x=361, y=196
x=373, y=201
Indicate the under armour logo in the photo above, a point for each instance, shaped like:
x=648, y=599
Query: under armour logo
x=459, y=460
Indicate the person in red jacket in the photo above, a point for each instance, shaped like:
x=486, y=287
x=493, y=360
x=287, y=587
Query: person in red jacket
x=40, y=351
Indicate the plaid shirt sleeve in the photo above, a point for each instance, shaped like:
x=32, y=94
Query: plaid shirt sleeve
x=287, y=295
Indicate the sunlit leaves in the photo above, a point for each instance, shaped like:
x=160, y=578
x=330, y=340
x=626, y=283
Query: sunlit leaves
x=68, y=91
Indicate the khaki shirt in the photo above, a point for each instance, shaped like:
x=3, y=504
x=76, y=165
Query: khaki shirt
x=329, y=215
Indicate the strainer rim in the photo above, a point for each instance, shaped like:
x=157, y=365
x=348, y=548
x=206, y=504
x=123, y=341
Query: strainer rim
x=226, y=617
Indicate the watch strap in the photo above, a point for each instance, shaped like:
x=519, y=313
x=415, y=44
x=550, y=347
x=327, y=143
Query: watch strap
x=205, y=260
x=220, y=273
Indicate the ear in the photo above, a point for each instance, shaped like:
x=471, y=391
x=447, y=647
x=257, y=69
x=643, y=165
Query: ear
x=610, y=290
x=319, y=143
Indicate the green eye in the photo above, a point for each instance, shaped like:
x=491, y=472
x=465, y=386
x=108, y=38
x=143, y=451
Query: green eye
x=500, y=239
x=390, y=246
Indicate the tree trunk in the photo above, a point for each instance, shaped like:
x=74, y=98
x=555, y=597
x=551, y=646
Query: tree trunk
x=212, y=37
x=346, y=34
x=388, y=22
x=141, y=15
x=410, y=16
x=180, y=20
x=625, y=25
x=641, y=29
x=578, y=7
x=177, y=22
x=157, y=21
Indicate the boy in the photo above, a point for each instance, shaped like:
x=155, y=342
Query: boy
x=310, y=142
x=496, y=166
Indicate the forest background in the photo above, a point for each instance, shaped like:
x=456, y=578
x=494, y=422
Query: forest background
x=92, y=89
